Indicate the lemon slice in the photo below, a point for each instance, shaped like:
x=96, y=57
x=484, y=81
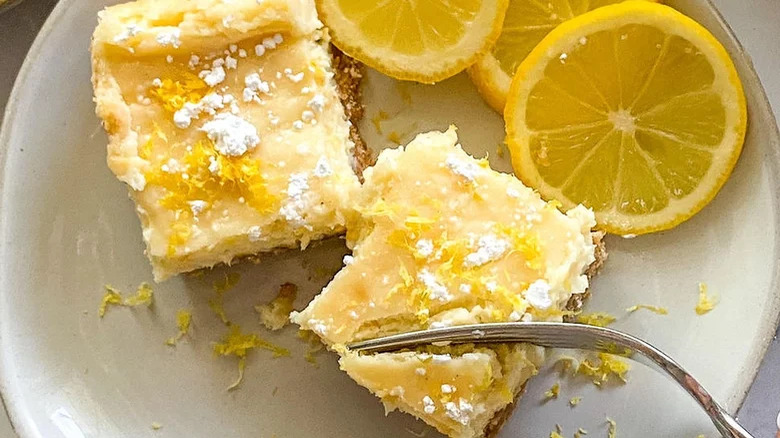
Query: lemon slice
x=526, y=23
x=424, y=41
x=633, y=110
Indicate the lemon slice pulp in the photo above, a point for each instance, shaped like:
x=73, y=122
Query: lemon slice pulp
x=526, y=23
x=424, y=41
x=633, y=110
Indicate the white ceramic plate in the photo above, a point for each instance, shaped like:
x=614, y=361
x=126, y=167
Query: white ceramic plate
x=67, y=228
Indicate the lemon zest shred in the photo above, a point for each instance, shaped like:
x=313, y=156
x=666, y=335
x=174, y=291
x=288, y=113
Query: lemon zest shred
x=403, y=91
x=555, y=434
x=580, y=432
x=612, y=431
x=654, y=309
x=604, y=368
x=218, y=306
x=221, y=286
x=173, y=94
x=144, y=295
x=234, y=178
x=238, y=344
x=553, y=391
x=706, y=303
x=156, y=425
x=228, y=282
x=183, y=320
x=500, y=150
x=111, y=297
x=315, y=346
x=598, y=319
x=574, y=401
x=146, y=150
x=394, y=137
x=377, y=120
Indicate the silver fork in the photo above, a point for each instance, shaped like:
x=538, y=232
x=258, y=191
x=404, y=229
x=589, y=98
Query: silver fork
x=563, y=335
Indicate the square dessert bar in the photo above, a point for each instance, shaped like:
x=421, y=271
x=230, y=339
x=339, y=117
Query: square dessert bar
x=224, y=120
x=441, y=240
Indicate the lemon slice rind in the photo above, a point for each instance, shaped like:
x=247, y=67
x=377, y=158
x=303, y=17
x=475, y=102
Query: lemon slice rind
x=726, y=83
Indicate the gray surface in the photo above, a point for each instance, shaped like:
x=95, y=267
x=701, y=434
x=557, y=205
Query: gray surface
x=756, y=23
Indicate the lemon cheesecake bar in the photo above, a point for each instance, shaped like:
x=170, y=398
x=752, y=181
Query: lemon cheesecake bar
x=224, y=120
x=441, y=239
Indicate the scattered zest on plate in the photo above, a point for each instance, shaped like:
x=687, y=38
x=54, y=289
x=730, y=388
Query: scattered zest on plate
x=144, y=295
x=633, y=110
x=706, y=302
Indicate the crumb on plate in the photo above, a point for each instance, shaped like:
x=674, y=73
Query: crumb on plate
x=276, y=314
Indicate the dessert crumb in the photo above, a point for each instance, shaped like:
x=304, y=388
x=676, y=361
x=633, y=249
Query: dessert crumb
x=276, y=314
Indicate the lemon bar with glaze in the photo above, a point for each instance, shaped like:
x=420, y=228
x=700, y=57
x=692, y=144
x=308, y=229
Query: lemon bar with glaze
x=441, y=239
x=225, y=122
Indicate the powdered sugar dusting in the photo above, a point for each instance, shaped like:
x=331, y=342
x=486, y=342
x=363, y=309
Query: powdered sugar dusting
x=489, y=248
x=232, y=135
x=437, y=290
x=538, y=295
x=467, y=169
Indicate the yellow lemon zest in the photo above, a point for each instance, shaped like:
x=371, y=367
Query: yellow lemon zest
x=612, y=431
x=315, y=346
x=377, y=120
x=604, y=368
x=574, y=401
x=553, y=391
x=580, y=432
x=111, y=297
x=598, y=319
x=394, y=137
x=183, y=320
x=706, y=303
x=143, y=295
x=654, y=309
x=238, y=344
x=173, y=94
x=145, y=151
x=228, y=282
x=156, y=425
x=217, y=304
x=234, y=178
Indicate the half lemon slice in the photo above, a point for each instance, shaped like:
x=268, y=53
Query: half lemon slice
x=633, y=110
x=424, y=41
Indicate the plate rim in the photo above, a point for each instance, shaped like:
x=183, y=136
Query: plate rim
x=24, y=427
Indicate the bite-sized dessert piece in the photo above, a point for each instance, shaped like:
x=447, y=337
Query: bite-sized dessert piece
x=461, y=391
x=442, y=240
x=224, y=120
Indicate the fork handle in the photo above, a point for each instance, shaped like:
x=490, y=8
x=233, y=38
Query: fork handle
x=723, y=421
